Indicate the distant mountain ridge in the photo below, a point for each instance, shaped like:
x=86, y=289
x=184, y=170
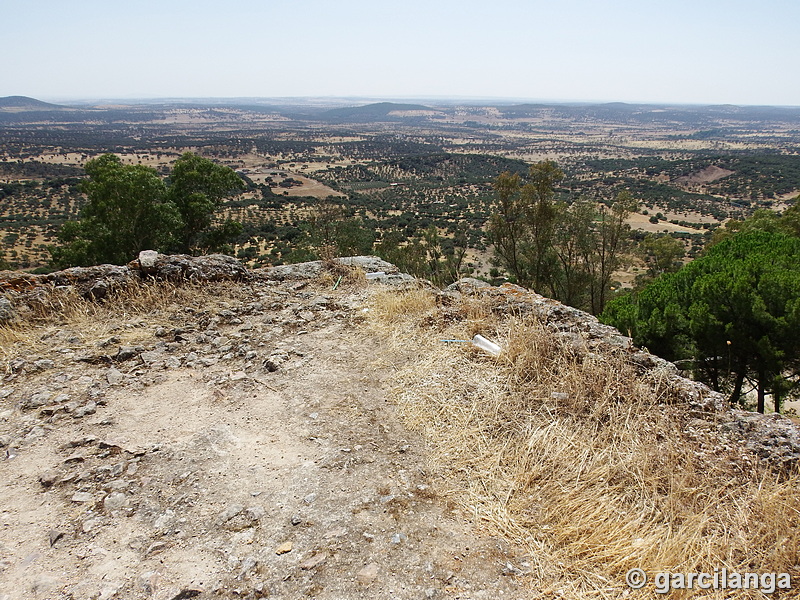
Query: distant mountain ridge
x=27, y=103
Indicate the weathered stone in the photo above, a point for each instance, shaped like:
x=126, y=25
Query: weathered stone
x=229, y=513
x=7, y=312
x=114, y=376
x=127, y=352
x=149, y=358
x=147, y=261
x=34, y=434
x=54, y=536
x=48, y=478
x=314, y=561
x=109, y=341
x=91, y=524
x=82, y=497
x=87, y=409
x=368, y=574
x=467, y=285
x=284, y=548
x=36, y=400
x=310, y=270
x=116, y=501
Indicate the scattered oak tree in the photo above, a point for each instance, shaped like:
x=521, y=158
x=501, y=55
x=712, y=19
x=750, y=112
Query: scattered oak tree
x=197, y=187
x=126, y=212
x=130, y=208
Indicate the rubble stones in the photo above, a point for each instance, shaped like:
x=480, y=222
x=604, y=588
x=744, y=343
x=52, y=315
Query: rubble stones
x=7, y=312
x=147, y=261
x=106, y=482
x=368, y=574
x=24, y=290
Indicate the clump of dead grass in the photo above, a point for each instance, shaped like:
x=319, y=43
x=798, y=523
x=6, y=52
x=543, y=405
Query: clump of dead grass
x=401, y=307
x=577, y=458
x=334, y=273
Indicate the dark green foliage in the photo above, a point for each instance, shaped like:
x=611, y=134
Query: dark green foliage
x=734, y=312
x=197, y=187
x=127, y=212
x=130, y=209
x=35, y=168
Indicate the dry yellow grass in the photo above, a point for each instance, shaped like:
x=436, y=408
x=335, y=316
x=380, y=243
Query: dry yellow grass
x=590, y=468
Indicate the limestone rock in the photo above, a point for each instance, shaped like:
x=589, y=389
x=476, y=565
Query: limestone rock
x=147, y=261
x=7, y=312
x=368, y=574
x=284, y=548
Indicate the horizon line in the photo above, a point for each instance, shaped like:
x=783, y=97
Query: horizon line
x=446, y=99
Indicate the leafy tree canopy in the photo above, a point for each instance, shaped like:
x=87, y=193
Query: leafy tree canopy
x=130, y=208
x=568, y=252
x=197, y=186
x=734, y=312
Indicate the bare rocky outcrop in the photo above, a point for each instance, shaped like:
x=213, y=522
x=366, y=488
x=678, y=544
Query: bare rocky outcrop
x=376, y=269
x=24, y=290
x=773, y=438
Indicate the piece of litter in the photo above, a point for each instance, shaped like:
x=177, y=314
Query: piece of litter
x=338, y=281
x=484, y=344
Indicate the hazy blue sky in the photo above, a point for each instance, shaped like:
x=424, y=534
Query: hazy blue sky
x=688, y=51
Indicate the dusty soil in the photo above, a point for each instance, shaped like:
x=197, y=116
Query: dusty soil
x=241, y=446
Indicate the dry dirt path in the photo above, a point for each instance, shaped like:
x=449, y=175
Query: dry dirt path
x=244, y=449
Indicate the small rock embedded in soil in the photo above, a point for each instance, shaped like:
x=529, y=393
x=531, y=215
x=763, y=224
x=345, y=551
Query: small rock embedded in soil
x=368, y=574
x=114, y=376
x=54, y=536
x=314, y=561
x=284, y=548
x=48, y=478
x=115, y=501
x=399, y=537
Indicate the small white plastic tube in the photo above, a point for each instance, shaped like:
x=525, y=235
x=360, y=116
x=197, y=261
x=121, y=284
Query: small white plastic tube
x=484, y=344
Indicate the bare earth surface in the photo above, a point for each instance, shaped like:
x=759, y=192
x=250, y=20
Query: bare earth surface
x=244, y=449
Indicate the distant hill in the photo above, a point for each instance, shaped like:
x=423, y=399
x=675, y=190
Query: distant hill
x=26, y=103
x=371, y=112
